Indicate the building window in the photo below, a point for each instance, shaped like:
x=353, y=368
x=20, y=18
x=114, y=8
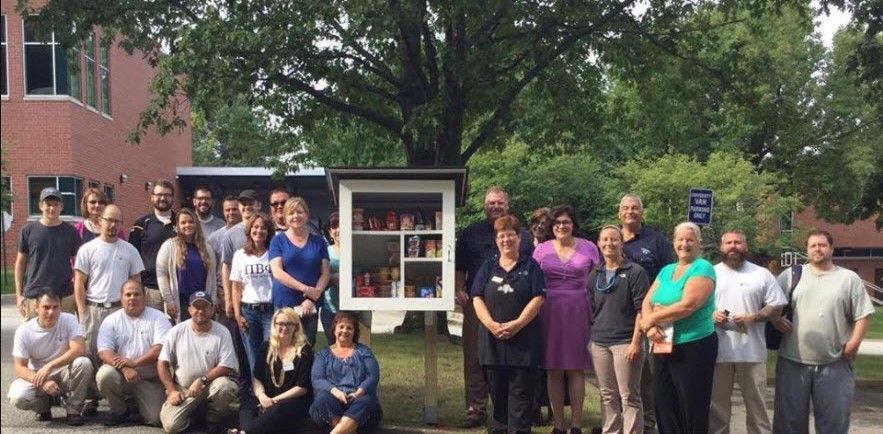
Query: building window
x=4, y=74
x=71, y=189
x=73, y=68
x=46, y=62
x=89, y=70
x=108, y=191
x=104, y=67
x=94, y=184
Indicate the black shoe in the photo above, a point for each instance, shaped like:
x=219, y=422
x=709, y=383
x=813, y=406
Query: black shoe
x=91, y=408
x=472, y=421
x=575, y=430
x=558, y=431
x=116, y=419
x=74, y=419
x=597, y=430
x=45, y=416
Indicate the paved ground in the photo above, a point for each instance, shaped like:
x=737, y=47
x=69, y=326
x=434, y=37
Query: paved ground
x=867, y=417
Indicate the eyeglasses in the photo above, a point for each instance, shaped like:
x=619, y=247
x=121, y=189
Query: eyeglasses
x=162, y=194
x=285, y=324
x=110, y=220
x=562, y=223
x=278, y=204
x=94, y=202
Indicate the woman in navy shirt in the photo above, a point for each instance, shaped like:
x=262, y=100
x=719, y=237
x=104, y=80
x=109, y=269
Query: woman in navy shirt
x=300, y=266
x=507, y=294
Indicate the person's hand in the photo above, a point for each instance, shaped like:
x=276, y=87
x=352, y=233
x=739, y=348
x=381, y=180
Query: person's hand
x=312, y=293
x=227, y=307
x=81, y=313
x=719, y=318
x=51, y=388
x=21, y=303
x=655, y=334
x=195, y=388
x=122, y=362
x=782, y=324
x=41, y=376
x=633, y=352
x=850, y=350
x=131, y=375
x=174, y=397
x=462, y=298
x=172, y=310
x=337, y=393
x=511, y=328
x=646, y=324
x=308, y=308
x=744, y=320
x=243, y=325
x=265, y=401
x=495, y=328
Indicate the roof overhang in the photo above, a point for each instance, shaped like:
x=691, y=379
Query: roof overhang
x=457, y=174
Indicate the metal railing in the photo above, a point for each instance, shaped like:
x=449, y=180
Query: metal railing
x=792, y=258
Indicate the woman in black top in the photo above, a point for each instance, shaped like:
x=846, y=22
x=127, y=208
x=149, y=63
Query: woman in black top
x=616, y=290
x=507, y=294
x=281, y=379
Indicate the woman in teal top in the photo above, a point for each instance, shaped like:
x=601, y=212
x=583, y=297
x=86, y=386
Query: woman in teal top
x=683, y=294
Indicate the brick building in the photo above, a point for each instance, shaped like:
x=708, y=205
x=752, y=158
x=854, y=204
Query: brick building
x=67, y=127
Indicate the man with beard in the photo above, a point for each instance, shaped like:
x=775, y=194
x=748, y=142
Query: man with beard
x=149, y=232
x=102, y=266
x=652, y=251
x=475, y=245
x=278, y=197
x=197, y=366
x=48, y=358
x=203, y=202
x=129, y=342
x=746, y=296
x=830, y=311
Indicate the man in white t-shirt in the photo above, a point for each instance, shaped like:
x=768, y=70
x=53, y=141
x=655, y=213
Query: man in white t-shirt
x=48, y=358
x=129, y=342
x=746, y=296
x=200, y=353
x=831, y=313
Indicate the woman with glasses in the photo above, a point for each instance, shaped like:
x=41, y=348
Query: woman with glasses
x=252, y=285
x=566, y=261
x=300, y=265
x=616, y=290
x=345, y=378
x=184, y=265
x=281, y=383
x=91, y=207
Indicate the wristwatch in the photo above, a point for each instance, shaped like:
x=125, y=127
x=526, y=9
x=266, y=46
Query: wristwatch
x=204, y=380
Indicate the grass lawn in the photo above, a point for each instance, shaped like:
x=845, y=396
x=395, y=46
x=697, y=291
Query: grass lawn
x=868, y=371
x=401, y=382
x=875, y=331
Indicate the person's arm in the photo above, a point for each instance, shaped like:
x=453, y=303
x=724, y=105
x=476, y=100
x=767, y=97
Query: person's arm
x=173, y=395
x=696, y=292
x=164, y=278
x=324, y=278
x=21, y=264
x=76, y=348
x=80, y=279
x=284, y=278
x=527, y=315
x=484, y=316
x=850, y=349
x=321, y=382
x=302, y=384
x=211, y=276
x=228, y=292
x=368, y=386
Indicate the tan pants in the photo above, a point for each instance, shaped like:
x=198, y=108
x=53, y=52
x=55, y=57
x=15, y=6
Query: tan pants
x=72, y=380
x=619, y=382
x=148, y=393
x=473, y=376
x=751, y=378
x=68, y=304
x=91, y=322
x=218, y=398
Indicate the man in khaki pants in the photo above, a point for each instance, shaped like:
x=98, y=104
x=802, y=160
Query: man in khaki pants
x=746, y=296
x=200, y=353
x=129, y=342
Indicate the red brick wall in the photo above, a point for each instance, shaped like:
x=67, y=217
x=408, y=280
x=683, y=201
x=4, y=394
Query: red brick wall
x=860, y=234
x=63, y=137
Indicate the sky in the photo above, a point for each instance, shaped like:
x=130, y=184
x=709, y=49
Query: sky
x=828, y=25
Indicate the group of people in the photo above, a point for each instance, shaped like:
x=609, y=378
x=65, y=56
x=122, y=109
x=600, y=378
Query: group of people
x=188, y=316
x=666, y=333
x=193, y=314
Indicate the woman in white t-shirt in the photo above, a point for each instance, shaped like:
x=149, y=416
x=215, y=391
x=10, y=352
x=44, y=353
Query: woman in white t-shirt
x=252, y=285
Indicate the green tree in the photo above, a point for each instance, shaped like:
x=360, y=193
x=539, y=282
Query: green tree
x=436, y=79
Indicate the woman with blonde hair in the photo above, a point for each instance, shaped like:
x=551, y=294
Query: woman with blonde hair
x=185, y=264
x=281, y=379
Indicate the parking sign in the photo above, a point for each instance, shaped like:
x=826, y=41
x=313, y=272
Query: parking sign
x=701, y=203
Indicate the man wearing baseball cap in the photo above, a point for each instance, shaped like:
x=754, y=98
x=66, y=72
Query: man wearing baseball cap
x=45, y=248
x=197, y=365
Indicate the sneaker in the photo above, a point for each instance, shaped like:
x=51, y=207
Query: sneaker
x=116, y=419
x=45, y=416
x=74, y=419
x=91, y=408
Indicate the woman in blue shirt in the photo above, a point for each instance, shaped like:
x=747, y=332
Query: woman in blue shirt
x=683, y=294
x=345, y=377
x=300, y=266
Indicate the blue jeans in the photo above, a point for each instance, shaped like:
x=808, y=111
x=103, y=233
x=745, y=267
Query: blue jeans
x=258, y=323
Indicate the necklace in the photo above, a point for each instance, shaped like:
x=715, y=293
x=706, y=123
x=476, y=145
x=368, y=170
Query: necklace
x=600, y=286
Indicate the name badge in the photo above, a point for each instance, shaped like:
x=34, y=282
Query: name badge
x=288, y=366
x=497, y=279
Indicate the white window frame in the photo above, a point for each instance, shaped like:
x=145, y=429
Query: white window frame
x=104, y=68
x=66, y=213
x=88, y=70
x=5, y=45
x=24, y=68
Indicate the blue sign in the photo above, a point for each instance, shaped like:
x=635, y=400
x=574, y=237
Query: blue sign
x=701, y=202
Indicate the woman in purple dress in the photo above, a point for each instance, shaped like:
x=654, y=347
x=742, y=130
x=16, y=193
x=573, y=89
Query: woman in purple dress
x=566, y=261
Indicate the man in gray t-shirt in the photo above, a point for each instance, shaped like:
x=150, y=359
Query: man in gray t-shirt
x=45, y=248
x=234, y=239
x=200, y=353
